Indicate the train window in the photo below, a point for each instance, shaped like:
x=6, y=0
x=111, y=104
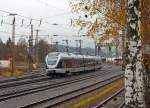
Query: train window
x=86, y=62
x=80, y=63
x=51, y=61
x=53, y=54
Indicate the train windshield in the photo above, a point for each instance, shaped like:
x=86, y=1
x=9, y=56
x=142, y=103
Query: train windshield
x=52, y=60
x=53, y=54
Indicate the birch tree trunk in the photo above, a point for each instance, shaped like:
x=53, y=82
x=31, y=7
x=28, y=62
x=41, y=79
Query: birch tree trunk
x=134, y=72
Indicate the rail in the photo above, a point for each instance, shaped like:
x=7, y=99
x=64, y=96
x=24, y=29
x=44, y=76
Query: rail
x=122, y=105
x=109, y=99
x=45, y=87
x=26, y=80
x=29, y=76
x=75, y=93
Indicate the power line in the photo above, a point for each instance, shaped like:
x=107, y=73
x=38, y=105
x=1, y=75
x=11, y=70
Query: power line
x=61, y=14
x=35, y=19
x=54, y=24
x=23, y=35
x=20, y=15
x=4, y=11
x=27, y=26
x=40, y=20
x=47, y=4
x=30, y=18
x=15, y=34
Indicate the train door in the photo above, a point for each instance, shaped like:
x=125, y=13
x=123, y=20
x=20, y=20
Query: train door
x=67, y=65
x=64, y=65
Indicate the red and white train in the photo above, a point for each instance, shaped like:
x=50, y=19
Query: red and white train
x=67, y=63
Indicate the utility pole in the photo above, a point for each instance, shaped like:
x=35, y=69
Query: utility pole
x=76, y=45
x=56, y=45
x=30, y=56
x=80, y=45
x=13, y=42
x=36, y=47
x=67, y=49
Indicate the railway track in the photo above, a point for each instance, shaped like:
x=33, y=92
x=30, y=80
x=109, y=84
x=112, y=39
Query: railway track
x=122, y=105
x=110, y=98
x=11, y=82
x=21, y=80
x=56, y=100
x=21, y=90
x=44, y=91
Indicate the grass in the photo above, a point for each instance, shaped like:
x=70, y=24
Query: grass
x=20, y=71
x=106, y=90
x=7, y=73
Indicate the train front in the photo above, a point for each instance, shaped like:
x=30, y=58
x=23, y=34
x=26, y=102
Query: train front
x=51, y=60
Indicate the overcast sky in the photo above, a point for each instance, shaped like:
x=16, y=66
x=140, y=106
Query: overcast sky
x=50, y=11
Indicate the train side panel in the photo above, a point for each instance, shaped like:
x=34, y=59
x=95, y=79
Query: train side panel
x=71, y=64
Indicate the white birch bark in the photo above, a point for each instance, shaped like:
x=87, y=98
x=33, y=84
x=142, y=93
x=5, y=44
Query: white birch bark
x=134, y=72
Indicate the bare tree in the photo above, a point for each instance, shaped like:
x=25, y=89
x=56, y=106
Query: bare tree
x=43, y=49
x=2, y=45
x=21, y=50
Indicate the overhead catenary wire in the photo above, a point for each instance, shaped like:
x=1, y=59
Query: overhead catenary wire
x=24, y=28
x=61, y=14
x=40, y=20
x=33, y=19
x=37, y=19
x=22, y=25
x=30, y=18
x=27, y=27
x=20, y=15
x=23, y=35
x=15, y=33
x=49, y=5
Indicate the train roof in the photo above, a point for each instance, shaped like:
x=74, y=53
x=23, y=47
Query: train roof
x=71, y=55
